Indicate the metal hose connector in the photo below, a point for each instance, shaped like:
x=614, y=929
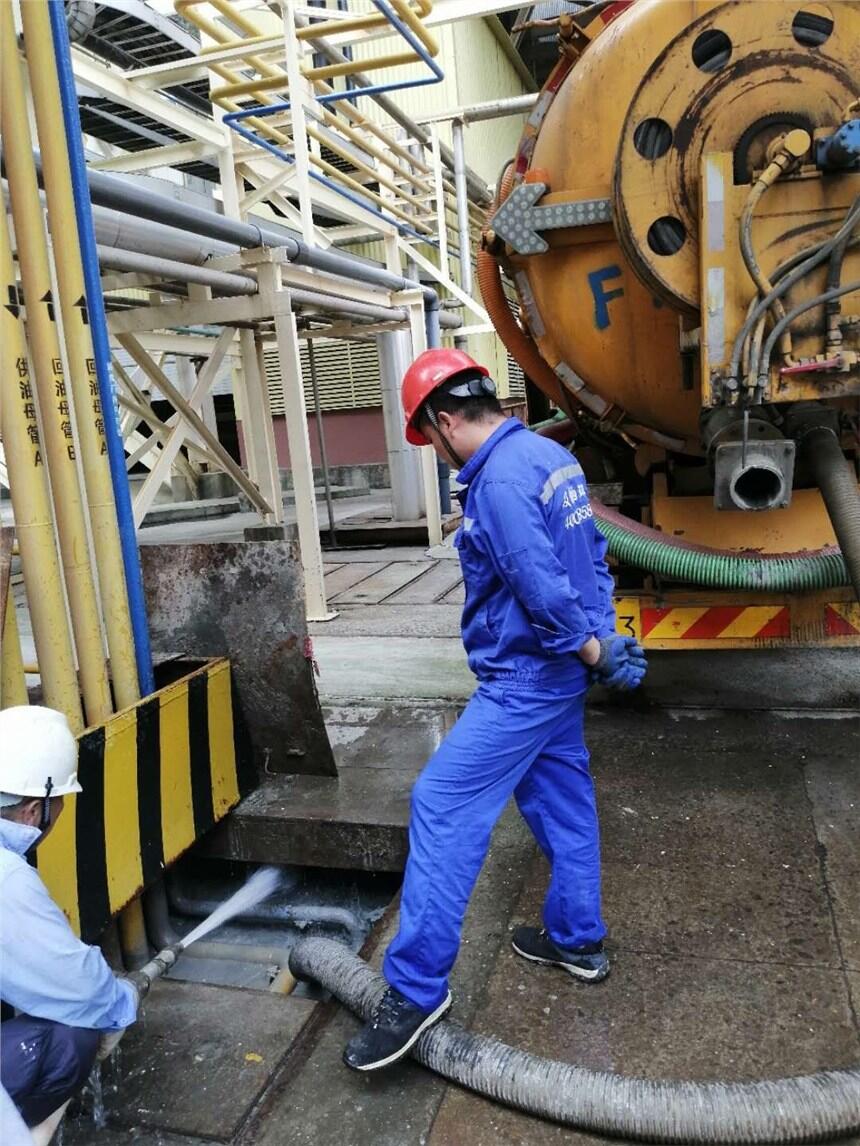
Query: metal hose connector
x=803, y=1109
x=157, y=966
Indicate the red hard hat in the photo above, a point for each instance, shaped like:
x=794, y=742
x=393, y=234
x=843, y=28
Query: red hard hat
x=427, y=373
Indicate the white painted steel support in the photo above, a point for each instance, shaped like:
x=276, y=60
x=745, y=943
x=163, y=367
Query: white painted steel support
x=111, y=82
x=462, y=206
x=455, y=290
x=439, y=188
x=404, y=461
x=414, y=300
x=160, y=472
x=257, y=428
x=130, y=344
x=298, y=439
x=166, y=156
x=299, y=94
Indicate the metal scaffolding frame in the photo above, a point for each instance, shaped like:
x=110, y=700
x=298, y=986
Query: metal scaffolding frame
x=315, y=161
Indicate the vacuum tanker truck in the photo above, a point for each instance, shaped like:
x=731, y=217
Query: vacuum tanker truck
x=680, y=230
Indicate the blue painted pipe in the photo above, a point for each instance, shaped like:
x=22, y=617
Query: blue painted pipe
x=101, y=347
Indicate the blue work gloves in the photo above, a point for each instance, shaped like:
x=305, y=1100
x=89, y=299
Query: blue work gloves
x=621, y=665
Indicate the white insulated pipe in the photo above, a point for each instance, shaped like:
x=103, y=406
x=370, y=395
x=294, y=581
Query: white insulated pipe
x=404, y=461
x=462, y=205
x=489, y=109
x=171, y=270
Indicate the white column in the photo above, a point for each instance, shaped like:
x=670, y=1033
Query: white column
x=414, y=300
x=258, y=430
x=404, y=461
x=295, y=414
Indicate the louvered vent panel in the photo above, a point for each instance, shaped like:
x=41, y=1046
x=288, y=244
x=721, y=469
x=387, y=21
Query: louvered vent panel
x=347, y=375
x=516, y=377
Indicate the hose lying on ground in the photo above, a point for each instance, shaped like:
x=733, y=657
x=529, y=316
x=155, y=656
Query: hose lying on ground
x=804, y=1109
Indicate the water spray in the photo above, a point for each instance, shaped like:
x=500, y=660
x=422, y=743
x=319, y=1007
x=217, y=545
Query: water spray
x=259, y=887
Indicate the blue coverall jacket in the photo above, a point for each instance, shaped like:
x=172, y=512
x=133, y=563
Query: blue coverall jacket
x=533, y=559
x=537, y=587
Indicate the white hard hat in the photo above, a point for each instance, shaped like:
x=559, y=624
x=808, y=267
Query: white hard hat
x=38, y=754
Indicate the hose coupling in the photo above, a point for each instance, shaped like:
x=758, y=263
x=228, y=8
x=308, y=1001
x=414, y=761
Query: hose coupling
x=158, y=966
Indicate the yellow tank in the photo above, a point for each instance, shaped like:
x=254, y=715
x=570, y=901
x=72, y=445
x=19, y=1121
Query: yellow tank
x=689, y=179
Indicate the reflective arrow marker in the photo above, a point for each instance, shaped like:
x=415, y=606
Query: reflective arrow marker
x=519, y=222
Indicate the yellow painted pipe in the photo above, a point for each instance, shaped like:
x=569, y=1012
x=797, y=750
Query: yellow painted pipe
x=340, y=149
x=31, y=502
x=13, y=688
x=132, y=936
x=54, y=399
x=90, y=417
x=284, y=983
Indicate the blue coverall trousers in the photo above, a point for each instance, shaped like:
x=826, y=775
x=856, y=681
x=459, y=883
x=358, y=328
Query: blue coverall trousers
x=42, y=1063
x=512, y=739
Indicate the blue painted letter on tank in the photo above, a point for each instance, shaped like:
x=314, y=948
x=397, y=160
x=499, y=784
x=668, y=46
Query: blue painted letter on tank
x=601, y=297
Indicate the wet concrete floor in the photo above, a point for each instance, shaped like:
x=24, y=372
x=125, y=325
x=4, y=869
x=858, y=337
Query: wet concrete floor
x=729, y=796
x=731, y=875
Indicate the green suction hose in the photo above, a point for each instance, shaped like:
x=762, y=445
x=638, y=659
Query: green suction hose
x=649, y=549
x=636, y=544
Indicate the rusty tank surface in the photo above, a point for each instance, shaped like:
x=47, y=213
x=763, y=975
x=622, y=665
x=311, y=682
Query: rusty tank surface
x=681, y=229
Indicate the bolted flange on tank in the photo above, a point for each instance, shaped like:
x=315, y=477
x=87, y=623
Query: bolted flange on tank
x=753, y=463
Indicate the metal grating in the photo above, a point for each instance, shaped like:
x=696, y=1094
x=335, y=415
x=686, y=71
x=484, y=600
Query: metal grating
x=347, y=375
x=131, y=130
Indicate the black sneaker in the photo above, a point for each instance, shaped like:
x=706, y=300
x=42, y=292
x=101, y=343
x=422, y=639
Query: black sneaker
x=590, y=963
x=392, y=1032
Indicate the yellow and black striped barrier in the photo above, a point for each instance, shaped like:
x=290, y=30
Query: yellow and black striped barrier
x=155, y=778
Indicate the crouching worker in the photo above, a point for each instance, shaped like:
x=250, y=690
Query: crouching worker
x=538, y=627
x=70, y=1004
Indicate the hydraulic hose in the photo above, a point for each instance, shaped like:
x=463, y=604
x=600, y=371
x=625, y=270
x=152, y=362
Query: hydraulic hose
x=803, y=1109
x=841, y=495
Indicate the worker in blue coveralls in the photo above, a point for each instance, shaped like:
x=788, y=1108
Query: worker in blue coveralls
x=72, y=1008
x=538, y=626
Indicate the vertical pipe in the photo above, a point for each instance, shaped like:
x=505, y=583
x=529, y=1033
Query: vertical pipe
x=434, y=338
x=298, y=441
x=31, y=503
x=13, y=687
x=90, y=414
x=321, y=440
x=404, y=461
x=461, y=188
x=101, y=346
x=54, y=401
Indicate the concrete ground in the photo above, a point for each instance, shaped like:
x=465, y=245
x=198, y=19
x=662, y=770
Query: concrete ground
x=729, y=796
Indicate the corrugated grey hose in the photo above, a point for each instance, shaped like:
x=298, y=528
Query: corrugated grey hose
x=806, y=1109
x=834, y=476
